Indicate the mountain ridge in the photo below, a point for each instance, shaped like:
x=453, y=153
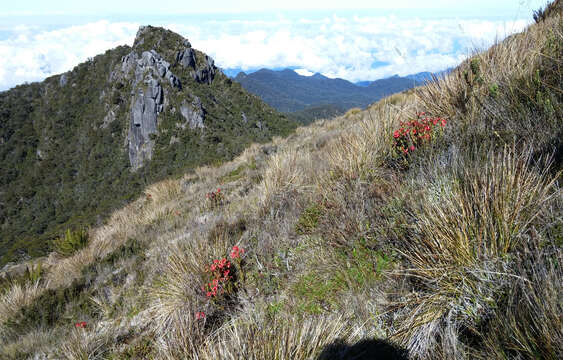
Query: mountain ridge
x=288, y=92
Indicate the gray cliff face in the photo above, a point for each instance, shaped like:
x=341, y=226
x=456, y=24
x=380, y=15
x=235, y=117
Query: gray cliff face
x=149, y=71
x=186, y=58
x=201, y=74
x=193, y=113
x=206, y=74
x=147, y=104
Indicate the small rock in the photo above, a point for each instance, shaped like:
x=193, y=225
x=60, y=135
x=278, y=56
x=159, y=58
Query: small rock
x=63, y=80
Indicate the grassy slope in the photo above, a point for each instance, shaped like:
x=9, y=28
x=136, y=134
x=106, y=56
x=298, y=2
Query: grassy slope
x=451, y=252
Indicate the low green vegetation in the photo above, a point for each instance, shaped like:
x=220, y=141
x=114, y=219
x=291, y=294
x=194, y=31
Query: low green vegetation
x=71, y=242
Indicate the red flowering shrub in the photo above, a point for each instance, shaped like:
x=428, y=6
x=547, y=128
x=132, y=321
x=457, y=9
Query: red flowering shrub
x=80, y=325
x=220, y=272
x=222, y=275
x=215, y=198
x=413, y=134
x=236, y=252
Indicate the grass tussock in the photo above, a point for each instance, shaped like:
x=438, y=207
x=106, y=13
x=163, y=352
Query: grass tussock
x=465, y=245
x=290, y=338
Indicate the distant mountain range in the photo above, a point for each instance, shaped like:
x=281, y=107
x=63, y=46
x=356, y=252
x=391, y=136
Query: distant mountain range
x=316, y=95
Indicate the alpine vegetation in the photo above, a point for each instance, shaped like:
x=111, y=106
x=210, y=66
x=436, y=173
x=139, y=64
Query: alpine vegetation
x=426, y=226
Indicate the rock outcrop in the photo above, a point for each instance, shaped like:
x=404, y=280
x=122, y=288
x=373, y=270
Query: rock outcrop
x=193, y=113
x=186, y=58
x=205, y=73
x=149, y=71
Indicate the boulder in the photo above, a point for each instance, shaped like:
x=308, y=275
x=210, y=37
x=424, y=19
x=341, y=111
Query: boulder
x=193, y=113
x=186, y=58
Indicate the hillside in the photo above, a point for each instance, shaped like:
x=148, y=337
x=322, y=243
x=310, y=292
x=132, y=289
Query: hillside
x=81, y=144
x=427, y=226
x=288, y=92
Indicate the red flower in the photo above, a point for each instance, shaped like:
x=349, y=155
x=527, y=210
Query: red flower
x=396, y=134
x=199, y=315
x=81, y=324
x=412, y=147
x=236, y=252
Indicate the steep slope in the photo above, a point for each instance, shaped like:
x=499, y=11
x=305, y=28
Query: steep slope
x=288, y=91
x=82, y=143
x=352, y=238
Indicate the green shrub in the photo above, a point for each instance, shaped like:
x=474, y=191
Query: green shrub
x=33, y=273
x=309, y=220
x=71, y=242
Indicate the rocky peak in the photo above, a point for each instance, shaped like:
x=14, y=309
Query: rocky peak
x=157, y=57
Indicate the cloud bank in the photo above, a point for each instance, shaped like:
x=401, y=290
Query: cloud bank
x=354, y=47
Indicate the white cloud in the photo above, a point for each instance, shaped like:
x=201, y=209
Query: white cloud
x=345, y=47
x=32, y=56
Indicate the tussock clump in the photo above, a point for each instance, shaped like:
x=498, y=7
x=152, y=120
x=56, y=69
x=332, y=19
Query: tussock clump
x=286, y=176
x=17, y=297
x=253, y=336
x=84, y=345
x=462, y=246
x=361, y=149
x=527, y=322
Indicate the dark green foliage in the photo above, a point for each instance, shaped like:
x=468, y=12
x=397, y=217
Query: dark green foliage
x=309, y=220
x=71, y=242
x=550, y=8
x=33, y=273
x=63, y=166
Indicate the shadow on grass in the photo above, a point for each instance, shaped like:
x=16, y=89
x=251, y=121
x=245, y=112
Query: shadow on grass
x=368, y=349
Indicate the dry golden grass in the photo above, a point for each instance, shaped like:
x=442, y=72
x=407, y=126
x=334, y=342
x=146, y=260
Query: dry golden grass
x=255, y=337
x=286, y=175
x=14, y=299
x=83, y=345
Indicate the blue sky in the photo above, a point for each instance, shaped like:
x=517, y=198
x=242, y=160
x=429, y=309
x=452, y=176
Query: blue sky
x=353, y=39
